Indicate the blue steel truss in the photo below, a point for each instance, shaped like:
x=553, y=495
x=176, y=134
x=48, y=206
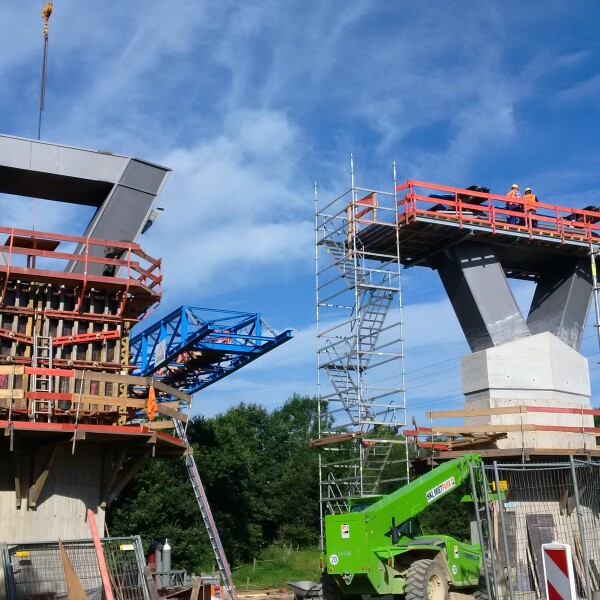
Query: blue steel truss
x=193, y=347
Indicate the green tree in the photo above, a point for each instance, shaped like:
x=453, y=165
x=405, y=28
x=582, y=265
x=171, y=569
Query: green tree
x=260, y=476
x=448, y=516
x=159, y=503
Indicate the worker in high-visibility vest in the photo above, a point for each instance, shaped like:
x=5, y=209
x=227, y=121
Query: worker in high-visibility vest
x=513, y=195
x=530, y=201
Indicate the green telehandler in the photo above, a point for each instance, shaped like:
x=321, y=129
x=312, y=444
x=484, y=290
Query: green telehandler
x=378, y=547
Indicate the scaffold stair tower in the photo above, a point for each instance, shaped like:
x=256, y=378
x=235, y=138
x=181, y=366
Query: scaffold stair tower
x=360, y=350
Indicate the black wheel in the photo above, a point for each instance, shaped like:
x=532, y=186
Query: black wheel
x=331, y=591
x=480, y=592
x=426, y=580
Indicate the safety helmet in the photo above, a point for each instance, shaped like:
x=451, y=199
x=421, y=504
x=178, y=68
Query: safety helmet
x=527, y=190
x=514, y=185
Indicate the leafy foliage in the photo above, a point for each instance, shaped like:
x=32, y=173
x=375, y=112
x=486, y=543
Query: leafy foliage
x=260, y=476
x=448, y=516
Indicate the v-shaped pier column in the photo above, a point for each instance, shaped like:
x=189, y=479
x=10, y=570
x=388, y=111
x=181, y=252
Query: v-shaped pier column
x=481, y=297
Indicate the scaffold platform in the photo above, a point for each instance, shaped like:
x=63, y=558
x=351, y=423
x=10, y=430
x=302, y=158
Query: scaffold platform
x=432, y=217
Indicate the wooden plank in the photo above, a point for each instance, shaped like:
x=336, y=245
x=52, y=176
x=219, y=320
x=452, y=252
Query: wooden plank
x=196, y=588
x=8, y=394
x=151, y=584
x=109, y=401
x=18, y=461
x=540, y=530
x=108, y=592
x=111, y=377
x=336, y=439
x=75, y=590
x=10, y=369
x=112, y=477
x=469, y=429
x=167, y=389
x=168, y=424
x=169, y=412
x=476, y=412
x=38, y=486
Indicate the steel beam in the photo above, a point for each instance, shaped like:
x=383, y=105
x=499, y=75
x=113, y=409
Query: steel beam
x=480, y=295
x=562, y=299
x=123, y=189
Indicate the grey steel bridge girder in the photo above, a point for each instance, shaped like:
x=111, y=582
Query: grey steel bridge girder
x=123, y=189
x=562, y=299
x=480, y=295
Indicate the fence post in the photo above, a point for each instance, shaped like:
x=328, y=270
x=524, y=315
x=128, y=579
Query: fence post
x=503, y=524
x=586, y=564
x=489, y=522
x=480, y=532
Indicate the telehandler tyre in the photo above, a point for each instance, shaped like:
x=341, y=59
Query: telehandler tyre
x=331, y=591
x=426, y=579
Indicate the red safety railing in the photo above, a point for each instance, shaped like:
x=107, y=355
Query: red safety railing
x=35, y=253
x=467, y=208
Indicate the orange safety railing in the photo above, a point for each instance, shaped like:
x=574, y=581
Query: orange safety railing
x=31, y=253
x=467, y=208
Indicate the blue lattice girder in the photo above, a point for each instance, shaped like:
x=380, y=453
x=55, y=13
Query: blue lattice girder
x=193, y=347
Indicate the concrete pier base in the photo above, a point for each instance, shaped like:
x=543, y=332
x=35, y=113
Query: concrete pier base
x=72, y=485
x=541, y=371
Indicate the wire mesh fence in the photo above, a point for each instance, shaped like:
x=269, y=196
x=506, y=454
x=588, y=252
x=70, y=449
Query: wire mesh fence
x=35, y=570
x=538, y=504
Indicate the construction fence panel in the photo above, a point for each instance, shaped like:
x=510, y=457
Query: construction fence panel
x=35, y=570
x=538, y=504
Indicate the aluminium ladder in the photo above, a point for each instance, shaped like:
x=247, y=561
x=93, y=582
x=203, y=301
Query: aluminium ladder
x=42, y=351
x=207, y=517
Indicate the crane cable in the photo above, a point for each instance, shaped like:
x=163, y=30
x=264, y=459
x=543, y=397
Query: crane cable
x=46, y=12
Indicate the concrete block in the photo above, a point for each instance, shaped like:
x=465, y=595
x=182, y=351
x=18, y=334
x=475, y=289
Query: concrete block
x=539, y=371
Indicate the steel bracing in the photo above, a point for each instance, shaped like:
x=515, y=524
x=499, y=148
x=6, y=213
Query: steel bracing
x=193, y=347
x=361, y=393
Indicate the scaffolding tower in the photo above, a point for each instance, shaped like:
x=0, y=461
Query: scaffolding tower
x=360, y=350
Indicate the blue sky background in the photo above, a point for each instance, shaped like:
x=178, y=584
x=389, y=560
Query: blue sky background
x=251, y=102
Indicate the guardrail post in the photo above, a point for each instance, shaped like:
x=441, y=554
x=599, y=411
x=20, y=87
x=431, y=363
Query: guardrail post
x=586, y=564
x=503, y=524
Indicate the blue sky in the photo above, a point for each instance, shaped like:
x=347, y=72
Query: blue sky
x=251, y=102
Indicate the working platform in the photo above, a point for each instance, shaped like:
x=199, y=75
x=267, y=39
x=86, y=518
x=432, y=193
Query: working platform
x=193, y=347
x=433, y=217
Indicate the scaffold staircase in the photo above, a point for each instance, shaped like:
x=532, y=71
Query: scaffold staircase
x=41, y=384
x=376, y=459
x=359, y=346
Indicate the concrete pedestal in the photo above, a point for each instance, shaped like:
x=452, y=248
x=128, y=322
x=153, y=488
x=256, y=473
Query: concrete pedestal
x=540, y=370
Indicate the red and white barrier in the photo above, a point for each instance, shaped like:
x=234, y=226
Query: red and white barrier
x=558, y=572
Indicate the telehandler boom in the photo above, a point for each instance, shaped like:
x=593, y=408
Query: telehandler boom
x=378, y=547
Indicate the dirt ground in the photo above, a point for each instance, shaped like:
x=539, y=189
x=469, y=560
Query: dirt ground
x=274, y=594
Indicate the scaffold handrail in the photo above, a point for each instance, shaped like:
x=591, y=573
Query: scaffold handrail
x=470, y=207
x=33, y=245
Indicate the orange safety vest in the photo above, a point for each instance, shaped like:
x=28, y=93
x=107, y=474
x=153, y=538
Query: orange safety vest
x=513, y=194
x=530, y=200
